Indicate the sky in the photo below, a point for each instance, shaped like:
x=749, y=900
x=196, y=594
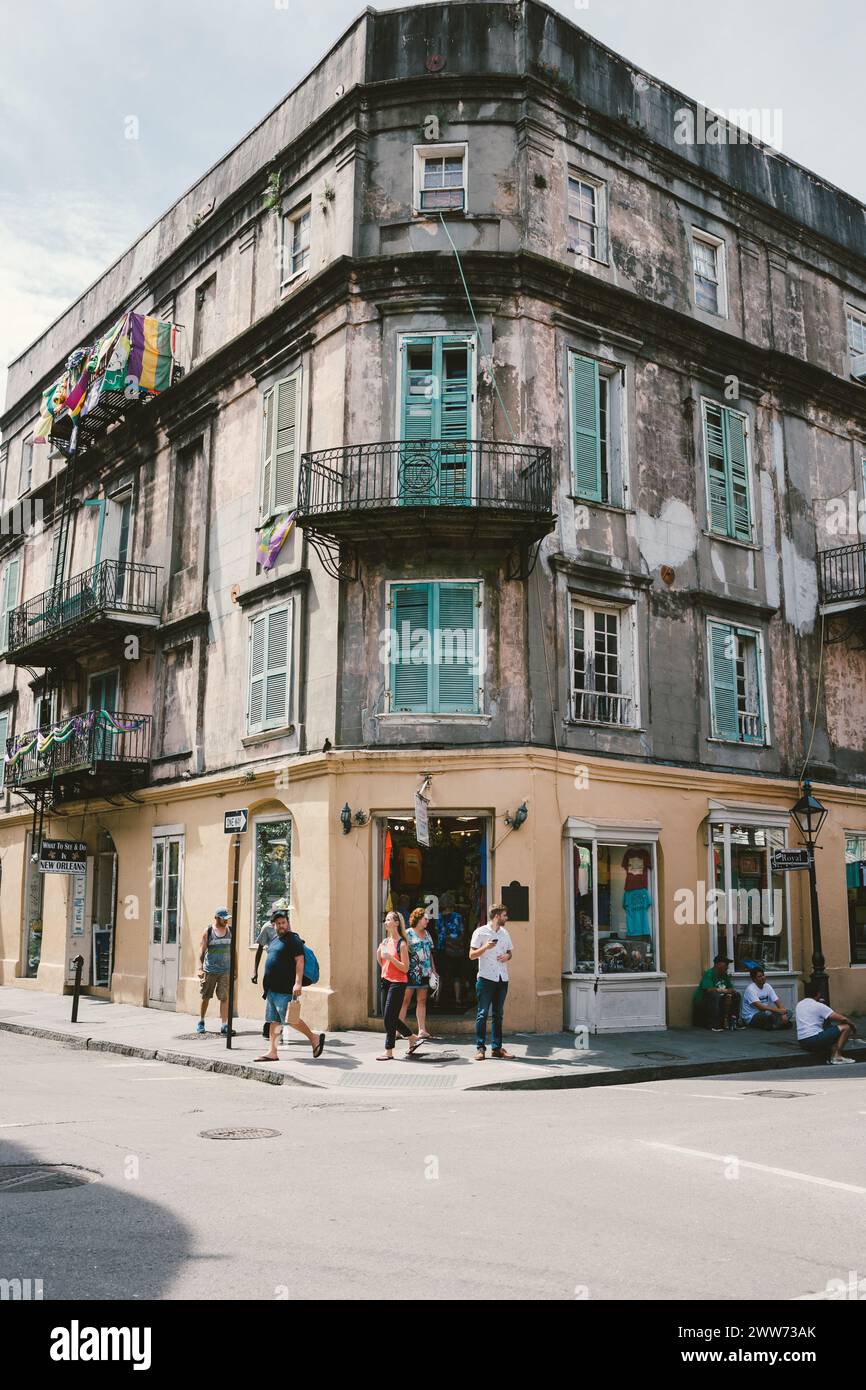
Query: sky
x=198, y=74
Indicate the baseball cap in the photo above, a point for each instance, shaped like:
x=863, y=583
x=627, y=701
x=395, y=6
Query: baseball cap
x=224, y=913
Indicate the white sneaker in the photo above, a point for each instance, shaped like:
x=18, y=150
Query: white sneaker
x=849, y=1061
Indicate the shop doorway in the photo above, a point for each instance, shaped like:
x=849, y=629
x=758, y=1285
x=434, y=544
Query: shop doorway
x=450, y=877
x=104, y=903
x=34, y=884
x=167, y=874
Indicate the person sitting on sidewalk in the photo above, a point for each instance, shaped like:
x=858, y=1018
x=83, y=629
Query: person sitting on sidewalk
x=820, y=1029
x=762, y=1007
x=214, y=962
x=717, y=1003
x=283, y=984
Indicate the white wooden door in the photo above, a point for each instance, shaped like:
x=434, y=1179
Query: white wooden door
x=165, y=924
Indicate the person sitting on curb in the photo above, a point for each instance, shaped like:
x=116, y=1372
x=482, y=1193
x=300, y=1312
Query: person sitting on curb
x=214, y=964
x=820, y=1029
x=717, y=1003
x=283, y=984
x=762, y=1007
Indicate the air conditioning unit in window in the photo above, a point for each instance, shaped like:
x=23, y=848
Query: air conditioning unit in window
x=858, y=367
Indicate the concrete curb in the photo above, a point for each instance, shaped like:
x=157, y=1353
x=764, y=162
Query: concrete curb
x=628, y=1076
x=155, y=1054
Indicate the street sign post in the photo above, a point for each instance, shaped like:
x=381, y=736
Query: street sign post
x=782, y=860
x=63, y=857
x=234, y=823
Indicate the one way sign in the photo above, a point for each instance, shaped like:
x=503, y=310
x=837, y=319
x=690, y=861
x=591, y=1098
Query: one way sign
x=235, y=822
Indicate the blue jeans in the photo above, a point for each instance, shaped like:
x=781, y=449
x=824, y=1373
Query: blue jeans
x=491, y=994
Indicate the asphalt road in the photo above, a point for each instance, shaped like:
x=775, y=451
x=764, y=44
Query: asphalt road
x=691, y=1189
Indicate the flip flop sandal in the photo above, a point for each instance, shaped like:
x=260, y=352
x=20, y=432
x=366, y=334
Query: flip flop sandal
x=415, y=1047
x=317, y=1050
x=267, y=1059
x=385, y=1058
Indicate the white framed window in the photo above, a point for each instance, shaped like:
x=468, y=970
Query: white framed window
x=710, y=279
x=281, y=415
x=5, y=725
x=25, y=472
x=272, y=867
x=597, y=434
x=441, y=178
x=45, y=710
x=296, y=243
x=738, y=707
x=603, y=674
x=748, y=911
x=269, y=686
x=587, y=217
x=857, y=342
x=611, y=886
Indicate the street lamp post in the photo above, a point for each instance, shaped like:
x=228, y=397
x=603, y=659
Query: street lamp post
x=810, y=816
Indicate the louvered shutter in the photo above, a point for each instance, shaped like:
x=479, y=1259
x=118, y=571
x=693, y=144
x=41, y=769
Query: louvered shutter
x=419, y=415
x=723, y=681
x=258, y=643
x=717, y=470
x=4, y=734
x=585, y=427
x=411, y=680
x=457, y=673
x=285, y=442
x=10, y=599
x=267, y=452
x=455, y=398
x=738, y=473
x=276, y=710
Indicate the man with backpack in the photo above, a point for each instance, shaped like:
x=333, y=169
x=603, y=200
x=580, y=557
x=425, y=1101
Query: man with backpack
x=283, y=984
x=214, y=963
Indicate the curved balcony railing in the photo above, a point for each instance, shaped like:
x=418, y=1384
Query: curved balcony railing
x=842, y=573
x=426, y=473
x=109, y=587
x=77, y=744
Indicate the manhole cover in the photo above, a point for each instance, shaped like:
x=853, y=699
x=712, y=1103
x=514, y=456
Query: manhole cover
x=659, y=1056
x=213, y=1036
x=779, y=1095
x=416, y=1082
x=239, y=1134
x=44, y=1177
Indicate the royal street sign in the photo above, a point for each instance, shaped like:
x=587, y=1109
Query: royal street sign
x=63, y=857
x=235, y=822
x=784, y=859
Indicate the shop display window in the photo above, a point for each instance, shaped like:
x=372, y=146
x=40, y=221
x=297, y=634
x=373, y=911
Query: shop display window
x=273, y=868
x=750, y=912
x=855, y=884
x=614, y=908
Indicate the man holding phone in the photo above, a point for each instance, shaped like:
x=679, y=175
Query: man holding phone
x=491, y=947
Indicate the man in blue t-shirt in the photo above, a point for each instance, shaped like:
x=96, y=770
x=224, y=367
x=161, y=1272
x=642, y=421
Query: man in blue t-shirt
x=283, y=983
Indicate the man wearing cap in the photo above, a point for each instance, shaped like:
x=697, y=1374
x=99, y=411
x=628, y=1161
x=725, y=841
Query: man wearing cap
x=214, y=964
x=267, y=934
x=717, y=1003
x=283, y=983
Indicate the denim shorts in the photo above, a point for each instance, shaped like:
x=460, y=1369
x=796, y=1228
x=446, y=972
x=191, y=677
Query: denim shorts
x=823, y=1041
x=277, y=1007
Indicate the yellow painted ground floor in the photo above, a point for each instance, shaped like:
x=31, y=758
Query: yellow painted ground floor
x=621, y=881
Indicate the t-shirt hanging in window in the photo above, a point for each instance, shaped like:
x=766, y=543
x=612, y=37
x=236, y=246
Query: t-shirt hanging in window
x=411, y=863
x=637, y=862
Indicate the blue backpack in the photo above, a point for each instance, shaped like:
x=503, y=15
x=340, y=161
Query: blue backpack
x=311, y=965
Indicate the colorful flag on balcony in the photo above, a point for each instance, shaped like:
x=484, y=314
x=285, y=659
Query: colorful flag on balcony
x=272, y=539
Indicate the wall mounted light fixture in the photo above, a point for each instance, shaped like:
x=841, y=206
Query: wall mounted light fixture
x=347, y=819
x=519, y=816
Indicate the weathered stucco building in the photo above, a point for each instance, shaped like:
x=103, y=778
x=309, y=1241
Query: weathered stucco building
x=567, y=405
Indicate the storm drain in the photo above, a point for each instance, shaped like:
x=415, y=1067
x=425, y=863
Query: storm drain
x=44, y=1177
x=779, y=1095
x=358, y=1079
x=239, y=1134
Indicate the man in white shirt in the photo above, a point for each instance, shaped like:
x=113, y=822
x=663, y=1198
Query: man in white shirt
x=820, y=1029
x=491, y=947
x=762, y=1007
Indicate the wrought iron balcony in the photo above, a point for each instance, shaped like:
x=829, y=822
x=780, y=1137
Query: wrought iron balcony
x=91, y=754
x=97, y=604
x=483, y=491
x=842, y=575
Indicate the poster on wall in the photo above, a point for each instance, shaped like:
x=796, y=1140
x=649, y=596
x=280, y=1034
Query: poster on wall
x=102, y=957
x=79, y=885
x=63, y=857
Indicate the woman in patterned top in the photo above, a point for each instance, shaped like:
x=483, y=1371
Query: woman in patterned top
x=421, y=969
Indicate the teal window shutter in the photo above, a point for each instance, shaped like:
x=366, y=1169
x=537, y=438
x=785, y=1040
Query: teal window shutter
x=738, y=473
x=585, y=427
x=457, y=670
x=723, y=681
x=420, y=405
x=727, y=472
x=411, y=654
x=4, y=734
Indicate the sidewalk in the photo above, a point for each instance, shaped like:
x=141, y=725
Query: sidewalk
x=547, y=1061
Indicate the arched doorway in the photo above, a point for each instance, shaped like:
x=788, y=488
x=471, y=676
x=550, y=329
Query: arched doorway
x=103, y=910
